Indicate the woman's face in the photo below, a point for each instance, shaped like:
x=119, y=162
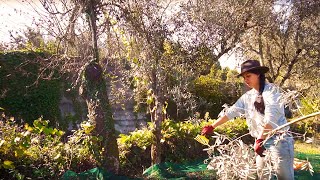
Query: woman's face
x=251, y=79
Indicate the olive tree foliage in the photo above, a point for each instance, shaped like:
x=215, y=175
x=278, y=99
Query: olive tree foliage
x=287, y=41
x=220, y=25
x=217, y=26
x=158, y=64
x=184, y=41
x=162, y=66
x=134, y=33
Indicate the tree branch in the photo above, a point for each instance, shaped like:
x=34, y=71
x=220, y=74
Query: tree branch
x=290, y=67
x=271, y=133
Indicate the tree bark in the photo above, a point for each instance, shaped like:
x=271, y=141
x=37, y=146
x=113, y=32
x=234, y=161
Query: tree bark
x=290, y=67
x=156, y=149
x=156, y=118
x=92, y=21
x=93, y=90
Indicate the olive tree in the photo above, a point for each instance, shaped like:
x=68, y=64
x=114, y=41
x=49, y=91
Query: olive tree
x=76, y=26
x=287, y=41
x=203, y=30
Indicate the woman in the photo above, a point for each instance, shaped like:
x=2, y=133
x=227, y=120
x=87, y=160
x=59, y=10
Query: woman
x=263, y=112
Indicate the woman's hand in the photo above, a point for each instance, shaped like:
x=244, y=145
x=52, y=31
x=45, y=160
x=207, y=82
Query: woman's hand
x=259, y=148
x=207, y=130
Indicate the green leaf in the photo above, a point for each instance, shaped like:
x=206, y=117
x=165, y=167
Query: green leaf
x=8, y=164
x=149, y=100
x=18, y=152
x=37, y=124
x=48, y=131
x=135, y=60
x=60, y=133
x=87, y=127
x=28, y=128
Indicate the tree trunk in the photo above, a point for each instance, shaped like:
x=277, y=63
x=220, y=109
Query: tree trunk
x=93, y=26
x=93, y=90
x=156, y=118
x=156, y=149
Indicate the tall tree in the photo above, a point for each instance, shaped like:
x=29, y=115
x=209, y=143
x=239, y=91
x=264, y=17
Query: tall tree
x=83, y=60
x=287, y=40
x=93, y=89
x=220, y=24
x=145, y=22
x=206, y=30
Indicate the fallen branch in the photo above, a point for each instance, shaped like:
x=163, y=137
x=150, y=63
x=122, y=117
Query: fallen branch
x=270, y=133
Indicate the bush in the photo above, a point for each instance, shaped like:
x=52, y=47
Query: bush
x=23, y=94
x=178, y=143
x=134, y=151
x=37, y=151
x=213, y=93
x=309, y=126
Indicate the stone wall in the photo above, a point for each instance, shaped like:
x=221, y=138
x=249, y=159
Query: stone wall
x=122, y=102
x=126, y=120
x=122, y=105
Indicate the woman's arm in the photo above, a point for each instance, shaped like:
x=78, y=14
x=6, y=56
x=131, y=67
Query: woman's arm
x=233, y=111
x=265, y=131
x=220, y=121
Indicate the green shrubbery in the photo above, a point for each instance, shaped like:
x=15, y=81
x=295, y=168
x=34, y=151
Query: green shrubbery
x=22, y=93
x=213, y=92
x=309, y=126
x=178, y=143
x=39, y=151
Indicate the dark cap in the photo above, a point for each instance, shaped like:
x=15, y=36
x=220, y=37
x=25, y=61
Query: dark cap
x=251, y=65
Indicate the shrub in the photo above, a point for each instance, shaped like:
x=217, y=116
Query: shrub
x=23, y=94
x=309, y=126
x=37, y=150
x=178, y=143
x=213, y=93
x=134, y=151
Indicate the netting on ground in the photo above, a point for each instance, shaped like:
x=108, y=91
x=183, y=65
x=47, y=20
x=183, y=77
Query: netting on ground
x=94, y=174
x=191, y=170
x=314, y=159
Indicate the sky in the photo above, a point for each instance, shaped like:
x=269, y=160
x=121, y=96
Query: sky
x=17, y=15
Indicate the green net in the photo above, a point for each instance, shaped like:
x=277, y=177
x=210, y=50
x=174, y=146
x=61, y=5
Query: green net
x=166, y=170
x=96, y=174
x=314, y=159
x=188, y=170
